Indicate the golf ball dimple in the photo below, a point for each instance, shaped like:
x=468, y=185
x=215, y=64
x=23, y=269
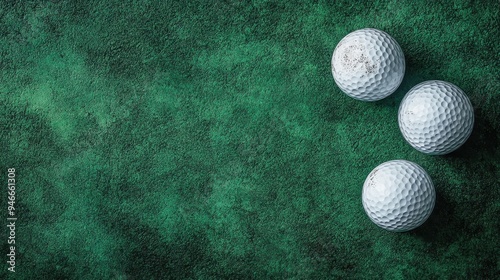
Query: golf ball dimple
x=398, y=195
x=368, y=64
x=436, y=117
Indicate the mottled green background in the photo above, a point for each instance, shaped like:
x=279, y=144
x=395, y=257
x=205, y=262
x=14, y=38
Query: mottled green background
x=208, y=140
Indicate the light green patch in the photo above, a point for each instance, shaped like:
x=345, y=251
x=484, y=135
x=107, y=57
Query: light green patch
x=163, y=162
x=64, y=91
x=301, y=204
x=295, y=123
x=229, y=234
x=219, y=134
x=251, y=55
x=216, y=110
x=170, y=216
x=314, y=20
x=41, y=99
x=85, y=238
x=163, y=93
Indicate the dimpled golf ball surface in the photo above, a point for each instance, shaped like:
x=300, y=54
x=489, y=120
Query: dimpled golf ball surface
x=368, y=64
x=398, y=195
x=436, y=117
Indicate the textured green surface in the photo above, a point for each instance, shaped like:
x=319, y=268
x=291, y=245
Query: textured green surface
x=208, y=140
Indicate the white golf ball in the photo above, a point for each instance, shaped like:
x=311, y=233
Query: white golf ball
x=368, y=64
x=398, y=195
x=436, y=117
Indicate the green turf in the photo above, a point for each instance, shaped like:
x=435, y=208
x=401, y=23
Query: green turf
x=208, y=140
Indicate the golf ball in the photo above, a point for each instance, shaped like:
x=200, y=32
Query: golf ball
x=436, y=117
x=398, y=195
x=368, y=64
